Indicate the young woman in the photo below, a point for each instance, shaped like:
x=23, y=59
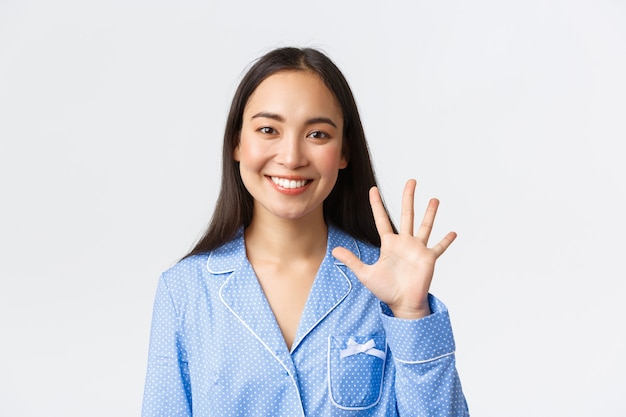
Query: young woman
x=302, y=299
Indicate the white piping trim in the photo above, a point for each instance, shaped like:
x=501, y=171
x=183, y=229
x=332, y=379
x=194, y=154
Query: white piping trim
x=208, y=261
x=293, y=348
x=424, y=361
x=263, y=343
x=330, y=390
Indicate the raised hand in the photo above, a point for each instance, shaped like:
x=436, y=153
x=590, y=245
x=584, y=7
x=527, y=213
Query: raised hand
x=402, y=275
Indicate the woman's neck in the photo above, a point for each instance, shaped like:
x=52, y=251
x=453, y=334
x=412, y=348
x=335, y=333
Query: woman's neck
x=283, y=240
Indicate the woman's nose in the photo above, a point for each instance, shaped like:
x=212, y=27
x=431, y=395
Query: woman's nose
x=292, y=154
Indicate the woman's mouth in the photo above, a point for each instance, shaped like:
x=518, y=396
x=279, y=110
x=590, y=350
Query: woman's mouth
x=289, y=183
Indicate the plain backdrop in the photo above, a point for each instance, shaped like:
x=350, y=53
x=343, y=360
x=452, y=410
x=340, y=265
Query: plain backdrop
x=513, y=113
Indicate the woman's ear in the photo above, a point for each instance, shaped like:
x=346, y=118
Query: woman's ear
x=343, y=162
x=237, y=150
x=345, y=155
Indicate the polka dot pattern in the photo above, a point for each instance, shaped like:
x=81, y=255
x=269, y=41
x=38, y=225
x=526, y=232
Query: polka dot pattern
x=216, y=349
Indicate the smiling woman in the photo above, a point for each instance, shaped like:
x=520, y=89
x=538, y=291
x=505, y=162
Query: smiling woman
x=290, y=150
x=302, y=298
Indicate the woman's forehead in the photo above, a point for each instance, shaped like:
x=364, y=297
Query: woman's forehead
x=293, y=92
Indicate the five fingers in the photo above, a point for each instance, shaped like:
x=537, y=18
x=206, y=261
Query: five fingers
x=407, y=217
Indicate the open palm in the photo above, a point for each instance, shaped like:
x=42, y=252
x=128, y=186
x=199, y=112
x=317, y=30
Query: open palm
x=402, y=275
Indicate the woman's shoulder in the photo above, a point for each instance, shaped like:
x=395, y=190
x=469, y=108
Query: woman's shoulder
x=187, y=270
x=198, y=267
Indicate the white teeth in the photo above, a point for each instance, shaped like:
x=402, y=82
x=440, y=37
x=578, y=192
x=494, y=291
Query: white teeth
x=285, y=183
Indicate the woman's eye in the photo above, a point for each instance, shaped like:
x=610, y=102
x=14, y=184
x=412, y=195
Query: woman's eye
x=267, y=130
x=318, y=134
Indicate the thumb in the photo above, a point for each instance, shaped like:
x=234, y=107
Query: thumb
x=349, y=259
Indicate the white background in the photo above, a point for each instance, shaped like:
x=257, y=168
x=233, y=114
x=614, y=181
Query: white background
x=513, y=113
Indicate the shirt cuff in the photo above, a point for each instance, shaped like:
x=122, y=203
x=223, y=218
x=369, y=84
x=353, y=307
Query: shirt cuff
x=421, y=340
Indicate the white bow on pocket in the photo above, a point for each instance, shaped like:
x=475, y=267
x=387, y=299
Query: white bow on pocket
x=368, y=348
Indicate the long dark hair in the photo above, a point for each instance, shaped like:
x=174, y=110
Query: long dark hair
x=347, y=205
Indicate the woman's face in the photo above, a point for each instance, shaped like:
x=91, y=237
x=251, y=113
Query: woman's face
x=290, y=149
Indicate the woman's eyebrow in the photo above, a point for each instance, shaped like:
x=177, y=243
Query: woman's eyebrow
x=269, y=115
x=281, y=119
x=316, y=120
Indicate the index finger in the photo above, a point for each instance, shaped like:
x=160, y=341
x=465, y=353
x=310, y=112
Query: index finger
x=383, y=225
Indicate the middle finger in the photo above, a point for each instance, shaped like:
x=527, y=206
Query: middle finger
x=408, y=203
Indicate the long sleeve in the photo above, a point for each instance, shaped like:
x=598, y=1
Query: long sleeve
x=167, y=391
x=426, y=382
